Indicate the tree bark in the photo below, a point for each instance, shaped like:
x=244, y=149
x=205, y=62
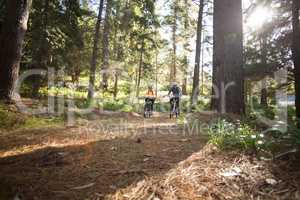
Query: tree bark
x=140, y=70
x=40, y=50
x=95, y=52
x=106, y=32
x=174, y=38
x=264, y=54
x=11, y=43
x=202, y=69
x=116, y=85
x=264, y=93
x=296, y=56
x=228, y=57
x=195, y=91
x=186, y=46
x=184, y=81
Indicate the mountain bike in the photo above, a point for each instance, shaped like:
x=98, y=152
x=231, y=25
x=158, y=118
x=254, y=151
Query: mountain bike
x=174, y=111
x=148, y=111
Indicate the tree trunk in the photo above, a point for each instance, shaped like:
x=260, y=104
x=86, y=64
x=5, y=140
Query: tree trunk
x=202, y=69
x=264, y=93
x=184, y=81
x=156, y=66
x=264, y=54
x=116, y=85
x=228, y=57
x=174, y=40
x=195, y=91
x=95, y=53
x=140, y=70
x=106, y=32
x=11, y=42
x=296, y=56
x=186, y=47
x=40, y=50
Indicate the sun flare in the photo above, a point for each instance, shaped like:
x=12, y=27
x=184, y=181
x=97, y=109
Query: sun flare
x=260, y=16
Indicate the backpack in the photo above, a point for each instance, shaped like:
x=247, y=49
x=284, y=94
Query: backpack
x=175, y=90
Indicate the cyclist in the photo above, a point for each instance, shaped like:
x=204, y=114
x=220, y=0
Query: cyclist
x=176, y=94
x=150, y=96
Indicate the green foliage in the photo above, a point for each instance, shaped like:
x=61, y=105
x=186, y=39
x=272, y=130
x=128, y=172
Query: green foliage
x=13, y=120
x=10, y=119
x=228, y=135
x=257, y=110
x=115, y=106
x=63, y=91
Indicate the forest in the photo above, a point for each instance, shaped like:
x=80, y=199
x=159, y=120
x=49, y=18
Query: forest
x=150, y=99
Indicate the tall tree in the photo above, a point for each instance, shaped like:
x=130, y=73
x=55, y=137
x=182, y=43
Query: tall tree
x=228, y=57
x=11, y=42
x=54, y=39
x=95, y=52
x=296, y=55
x=105, y=47
x=195, y=91
x=173, y=68
x=40, y=44
x=264, y=92
x=186, y=46
x=141, y=63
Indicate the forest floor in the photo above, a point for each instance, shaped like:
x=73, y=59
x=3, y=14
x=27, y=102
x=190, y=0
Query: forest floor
x=123, y=156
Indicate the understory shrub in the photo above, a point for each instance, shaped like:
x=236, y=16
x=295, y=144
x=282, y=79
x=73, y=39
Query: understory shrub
x=230, y=135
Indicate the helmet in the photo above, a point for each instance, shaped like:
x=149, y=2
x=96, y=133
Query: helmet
x=173, y=84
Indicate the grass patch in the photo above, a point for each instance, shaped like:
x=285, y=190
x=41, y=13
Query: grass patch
x=10, y=120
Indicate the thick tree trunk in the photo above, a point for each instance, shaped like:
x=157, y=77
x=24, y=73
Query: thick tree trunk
x=11, y=42
x=106, y=32
x=228, y=57
x=95, y=53
x=296, y=55
x=195, y=91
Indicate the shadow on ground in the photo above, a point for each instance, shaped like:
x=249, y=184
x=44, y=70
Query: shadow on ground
x=93, y=169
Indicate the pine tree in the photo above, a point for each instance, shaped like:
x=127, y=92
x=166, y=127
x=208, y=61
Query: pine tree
x=11, y=43
x=195, y=92
x=296, y=55
x=228, y=57
x=95, y=52
x=105, y=46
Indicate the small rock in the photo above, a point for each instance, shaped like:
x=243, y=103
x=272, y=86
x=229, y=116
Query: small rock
x=113, y=148
x=113, y=187
x=271, y=181
x=139, y=140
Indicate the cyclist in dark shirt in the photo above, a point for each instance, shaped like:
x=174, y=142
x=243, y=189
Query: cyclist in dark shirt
x=176, y=94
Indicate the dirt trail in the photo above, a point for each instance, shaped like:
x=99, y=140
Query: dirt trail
x=93, y=159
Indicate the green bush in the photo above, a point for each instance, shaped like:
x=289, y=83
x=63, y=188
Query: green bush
x=291, y=114
x=10, y=119
x=228, y=135
x=13, y=120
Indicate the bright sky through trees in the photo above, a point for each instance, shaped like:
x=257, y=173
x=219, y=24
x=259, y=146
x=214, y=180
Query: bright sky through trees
x=258, y=18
